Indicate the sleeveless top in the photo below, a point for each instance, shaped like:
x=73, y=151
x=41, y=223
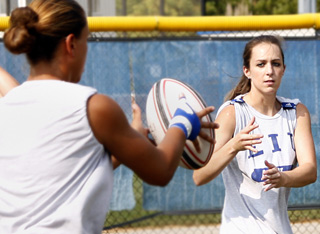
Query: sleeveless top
x=247, y=208
x=55, y=177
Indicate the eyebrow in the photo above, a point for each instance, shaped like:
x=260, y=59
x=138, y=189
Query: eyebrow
x=263, y=60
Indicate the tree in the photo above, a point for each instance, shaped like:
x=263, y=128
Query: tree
x=256, y=7
x=213, y=7
x=152, y=7
x=182, y=7
x=273, y=7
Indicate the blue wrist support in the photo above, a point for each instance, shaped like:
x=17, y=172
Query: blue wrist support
x=186, y=119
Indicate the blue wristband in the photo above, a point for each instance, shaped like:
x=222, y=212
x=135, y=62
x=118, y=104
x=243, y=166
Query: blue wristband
x=186, y=119
x=181, y=126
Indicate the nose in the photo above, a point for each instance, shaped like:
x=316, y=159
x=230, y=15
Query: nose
x=269, y=69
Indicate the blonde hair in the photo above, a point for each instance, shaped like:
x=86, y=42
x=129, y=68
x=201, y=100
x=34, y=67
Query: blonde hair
x=38, y=28
x=244, y=84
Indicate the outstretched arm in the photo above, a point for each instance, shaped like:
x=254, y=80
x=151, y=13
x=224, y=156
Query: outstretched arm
x=154, y=164
x=227, y=146
x=7, y=82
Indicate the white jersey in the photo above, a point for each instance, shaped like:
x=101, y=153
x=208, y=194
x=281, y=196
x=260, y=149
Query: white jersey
x=55, y=177
x=247, y=208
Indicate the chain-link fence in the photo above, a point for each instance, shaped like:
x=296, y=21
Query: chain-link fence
x=304, y=218
x=122, y=63
x=305, y=33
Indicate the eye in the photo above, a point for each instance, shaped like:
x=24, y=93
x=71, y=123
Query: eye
x=260, y=64
x=276, y=64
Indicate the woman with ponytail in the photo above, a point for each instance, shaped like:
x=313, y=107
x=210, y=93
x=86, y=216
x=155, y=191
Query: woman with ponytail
x=261, y=139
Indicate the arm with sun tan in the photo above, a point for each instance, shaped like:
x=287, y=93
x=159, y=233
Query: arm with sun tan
x=154, y=164
x=227, y=146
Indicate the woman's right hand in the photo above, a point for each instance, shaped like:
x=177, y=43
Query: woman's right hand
x=244, y=140
x=191, y=122
x=205, y=125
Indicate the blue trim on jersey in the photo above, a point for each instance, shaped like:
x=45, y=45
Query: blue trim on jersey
x=285, y=105
x=238, y=100
x=288, y=105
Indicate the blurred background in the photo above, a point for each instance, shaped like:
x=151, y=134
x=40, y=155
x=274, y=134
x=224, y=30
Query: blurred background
x=199, y=42
x=183, y=7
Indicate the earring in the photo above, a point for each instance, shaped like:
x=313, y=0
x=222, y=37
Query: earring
x=249, y=78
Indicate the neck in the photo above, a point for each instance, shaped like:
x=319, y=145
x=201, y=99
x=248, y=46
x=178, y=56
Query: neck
x=265, y=104
x=48, y=70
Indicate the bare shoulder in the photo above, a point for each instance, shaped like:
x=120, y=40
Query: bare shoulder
x=302, y=110
x=102, y=108
x=227, y=123
x=106, y=117
x=303, y=118
x=101, y=103
x=226, y=114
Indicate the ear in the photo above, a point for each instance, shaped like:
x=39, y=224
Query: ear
x=284, y=69
x=246, y=71
x=70, y=44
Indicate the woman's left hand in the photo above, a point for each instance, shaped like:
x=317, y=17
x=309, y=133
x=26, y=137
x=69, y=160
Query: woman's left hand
x=272, y=177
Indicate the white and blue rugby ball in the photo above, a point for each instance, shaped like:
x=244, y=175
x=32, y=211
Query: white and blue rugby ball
x=161, y=104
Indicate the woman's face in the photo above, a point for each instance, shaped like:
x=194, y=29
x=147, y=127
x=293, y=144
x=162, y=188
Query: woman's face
x=266, y=68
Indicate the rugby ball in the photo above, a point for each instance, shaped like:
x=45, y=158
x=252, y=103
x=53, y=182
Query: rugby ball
x=161, y=104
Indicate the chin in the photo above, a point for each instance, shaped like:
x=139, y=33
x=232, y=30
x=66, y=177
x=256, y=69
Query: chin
x=271, y=92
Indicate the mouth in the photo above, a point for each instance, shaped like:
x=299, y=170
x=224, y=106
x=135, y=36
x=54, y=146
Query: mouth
x=269, y=82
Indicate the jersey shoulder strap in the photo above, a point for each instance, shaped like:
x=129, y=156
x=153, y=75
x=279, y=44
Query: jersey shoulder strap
x=287, y=103
x=238, y=99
